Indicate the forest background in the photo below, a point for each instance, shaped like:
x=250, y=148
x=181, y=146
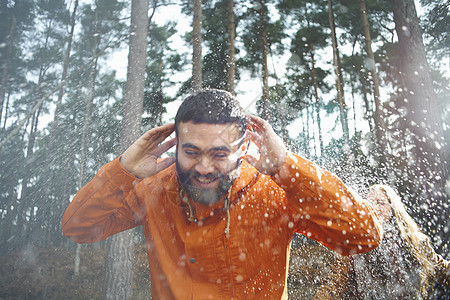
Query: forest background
x=359, y=87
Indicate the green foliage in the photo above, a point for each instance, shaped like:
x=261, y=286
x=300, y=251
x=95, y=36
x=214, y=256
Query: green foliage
x=46, y=176
x=215, y=28
x=163, y=61
x=252, y=37
x=306, y=41
x=305, y=12
x=347, y=16
x=436, y=25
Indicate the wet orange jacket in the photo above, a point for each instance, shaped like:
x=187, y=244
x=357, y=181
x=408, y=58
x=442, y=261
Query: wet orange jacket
x=190, y=260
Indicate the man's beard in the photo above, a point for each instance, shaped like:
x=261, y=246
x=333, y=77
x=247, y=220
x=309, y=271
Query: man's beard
x=202, y=195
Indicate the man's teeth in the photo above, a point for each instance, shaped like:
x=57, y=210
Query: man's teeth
x=205, y=180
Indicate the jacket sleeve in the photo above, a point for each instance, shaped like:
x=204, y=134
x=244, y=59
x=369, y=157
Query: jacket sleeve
x=326, y=210
x=105, y=206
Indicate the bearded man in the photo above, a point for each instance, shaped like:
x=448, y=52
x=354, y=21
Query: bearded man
x=219, y=222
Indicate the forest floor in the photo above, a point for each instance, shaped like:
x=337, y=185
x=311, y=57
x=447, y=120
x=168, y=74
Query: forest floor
x=36, y=273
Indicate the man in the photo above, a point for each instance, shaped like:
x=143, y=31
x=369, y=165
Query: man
x=219, y=223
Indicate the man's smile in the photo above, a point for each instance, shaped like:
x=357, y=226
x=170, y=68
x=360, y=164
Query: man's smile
x=205, y=181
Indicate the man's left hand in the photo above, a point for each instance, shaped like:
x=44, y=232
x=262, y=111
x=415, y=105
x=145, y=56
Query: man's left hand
x=271, y=147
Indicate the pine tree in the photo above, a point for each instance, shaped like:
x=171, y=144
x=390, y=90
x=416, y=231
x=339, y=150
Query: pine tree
x=429, y=168
x=119, y=262
x=197, y=46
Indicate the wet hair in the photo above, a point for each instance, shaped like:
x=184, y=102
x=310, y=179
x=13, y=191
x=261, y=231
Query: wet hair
x=212, y=106
x=410, y=232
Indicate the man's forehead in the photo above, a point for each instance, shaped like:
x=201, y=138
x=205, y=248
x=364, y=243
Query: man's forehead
x=191, y=127
x=228, y=133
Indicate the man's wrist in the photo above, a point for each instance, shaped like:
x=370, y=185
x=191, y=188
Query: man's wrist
x=282, y=174
x=126, y=170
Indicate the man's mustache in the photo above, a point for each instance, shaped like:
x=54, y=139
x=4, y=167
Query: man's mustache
x=209, y=176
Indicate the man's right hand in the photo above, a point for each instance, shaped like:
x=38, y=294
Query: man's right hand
x=141, y=158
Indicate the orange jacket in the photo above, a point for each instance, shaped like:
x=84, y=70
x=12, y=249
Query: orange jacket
x=190, y=260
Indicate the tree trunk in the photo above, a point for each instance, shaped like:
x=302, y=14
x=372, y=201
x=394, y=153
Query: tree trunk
x=119, y=262
x=10, y=207
x=305, y=135
x=430, y=168
x=52, y=148
x=6, y=112
x=316, y=96
x=6, y=64
x=23, y=203
x=159, y=119
x=265, y=68
x=338, y=72
x=311, y=135
x=231, y=51
x=282, y=115
x=197, y=46
x=86, y=123
x=368, y=114
x=64, y=73
x=380, y=125
x=25, y=198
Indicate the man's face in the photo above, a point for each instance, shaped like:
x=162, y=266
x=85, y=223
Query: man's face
x=207, y=159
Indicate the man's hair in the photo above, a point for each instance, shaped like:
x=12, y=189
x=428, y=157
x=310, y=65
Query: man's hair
x=214, y=107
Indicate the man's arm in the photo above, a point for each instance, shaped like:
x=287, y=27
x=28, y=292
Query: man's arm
x=108, y=204
x=105, y=206
x=327, y=210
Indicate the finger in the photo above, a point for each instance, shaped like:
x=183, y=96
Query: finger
x=255, y=138
x=258, y=123
x=164, y=132
x=165, y=163
x=158, y=132
x=164, y=147
x=155, y=137
x=251, y=160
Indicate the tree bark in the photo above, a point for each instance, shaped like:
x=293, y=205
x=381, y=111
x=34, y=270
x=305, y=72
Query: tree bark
x=368, y=114
x=430, y=167
x=231, y=51
x=6, y=112
x=338, y=72
x=25, y=201
x=6, y=65
x=265, y=68
x=24, y=198
x=316, y=96
x=64, y=73
x=197, y=46
x=86, y=123
x=380, y=125
x=311, y=135
x=119, y=262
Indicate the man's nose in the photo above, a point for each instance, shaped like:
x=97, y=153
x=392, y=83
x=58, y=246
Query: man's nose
x=204, y=166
